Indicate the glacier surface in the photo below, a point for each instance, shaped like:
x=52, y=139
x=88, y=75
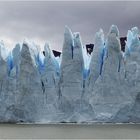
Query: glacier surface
x=75, y=87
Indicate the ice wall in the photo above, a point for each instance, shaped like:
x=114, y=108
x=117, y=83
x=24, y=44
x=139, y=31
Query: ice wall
x=103, y=87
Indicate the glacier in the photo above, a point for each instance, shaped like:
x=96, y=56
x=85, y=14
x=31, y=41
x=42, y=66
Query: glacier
x=104, y=87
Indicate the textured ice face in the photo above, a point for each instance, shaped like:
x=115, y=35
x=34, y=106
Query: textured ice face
x=68, y=44
x=49, y=59
x=14, y=60
x=16, y=53
x=71, y=77
x=76, y=87
x=97, y=60
x=10, y=63
x=48, y=52
x=113, y=39
x=132, y=43
x=3, y=51
x=99, y=38
x=106, y=84
x=114, y=29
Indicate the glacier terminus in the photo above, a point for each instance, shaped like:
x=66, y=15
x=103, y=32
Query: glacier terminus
x=77, y=87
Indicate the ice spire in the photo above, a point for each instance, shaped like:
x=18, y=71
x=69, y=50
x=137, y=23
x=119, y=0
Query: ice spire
x=113, y=47
x=132, y=43
x=16, y=58
x=106, y=86
x=135, y=31
x=132, y=57
x=114, y=29
x=49, y=76
x=3, y=51
x=78, y=48
x=128, y=43
x=30, y=94
x=71, y=78
x=48, y=52
x=68, y=44
x=49, y=56
x=96, y=59
x=113, y=41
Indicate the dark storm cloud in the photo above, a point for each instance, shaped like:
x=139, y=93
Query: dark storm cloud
x=45, y=21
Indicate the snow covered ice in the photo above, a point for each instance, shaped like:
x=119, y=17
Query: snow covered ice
x=77, y=87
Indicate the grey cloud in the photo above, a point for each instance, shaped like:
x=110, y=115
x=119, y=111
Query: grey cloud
x=45, y=21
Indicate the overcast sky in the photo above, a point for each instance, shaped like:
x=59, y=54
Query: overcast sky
x=45, y=21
